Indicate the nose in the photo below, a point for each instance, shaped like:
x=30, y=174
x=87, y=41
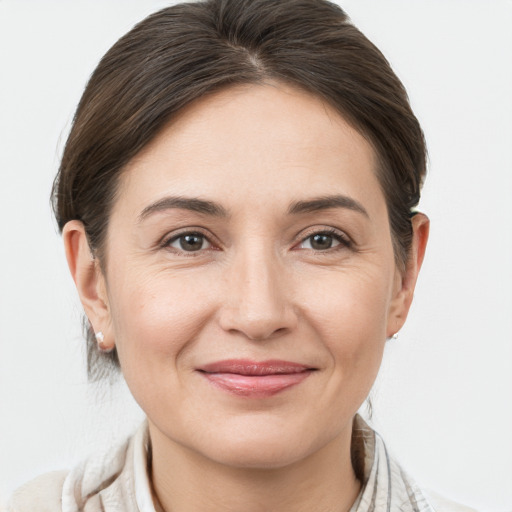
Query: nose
x=258, y=302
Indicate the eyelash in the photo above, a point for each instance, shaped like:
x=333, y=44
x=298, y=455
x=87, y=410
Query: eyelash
x=343, y=240
x=166, y=243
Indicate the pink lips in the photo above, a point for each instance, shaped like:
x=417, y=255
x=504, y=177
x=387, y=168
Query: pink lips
x=255, y=379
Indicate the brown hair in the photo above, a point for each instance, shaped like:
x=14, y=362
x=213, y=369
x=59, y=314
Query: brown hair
x=186, y=51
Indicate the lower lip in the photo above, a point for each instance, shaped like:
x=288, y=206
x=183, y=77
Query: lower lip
x=256, y=386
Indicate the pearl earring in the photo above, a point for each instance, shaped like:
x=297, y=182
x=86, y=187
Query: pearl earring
x=100, y=338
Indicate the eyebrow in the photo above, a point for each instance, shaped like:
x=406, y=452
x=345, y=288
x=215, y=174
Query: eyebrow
x=184, y=203
x=325, y=203
x=211, y=208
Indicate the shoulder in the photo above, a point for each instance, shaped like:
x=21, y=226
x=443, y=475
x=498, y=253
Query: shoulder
x=103, y=481
x=441, y=504
x=387, y=483
x=43, y=494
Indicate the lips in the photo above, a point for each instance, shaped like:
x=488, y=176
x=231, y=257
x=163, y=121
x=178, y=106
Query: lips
x=255, y=379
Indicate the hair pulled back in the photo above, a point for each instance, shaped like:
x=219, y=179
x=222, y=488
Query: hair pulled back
x=189, y=50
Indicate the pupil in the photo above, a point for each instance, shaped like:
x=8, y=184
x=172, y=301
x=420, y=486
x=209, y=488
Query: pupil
x=191, y=242
x=321, y=242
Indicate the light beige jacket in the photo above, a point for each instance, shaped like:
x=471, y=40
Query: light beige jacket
x=117, y=481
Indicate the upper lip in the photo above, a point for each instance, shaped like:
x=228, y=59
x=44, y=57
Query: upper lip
x=254, y=368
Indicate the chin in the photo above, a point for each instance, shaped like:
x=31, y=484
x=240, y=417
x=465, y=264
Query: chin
x=263, y=447
x=260, y=455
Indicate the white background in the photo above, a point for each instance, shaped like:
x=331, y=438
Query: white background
x=443, y=401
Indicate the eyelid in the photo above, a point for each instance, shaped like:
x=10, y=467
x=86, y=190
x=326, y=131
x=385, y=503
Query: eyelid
x=166, y=240
x=200, y=236
x=343, y=239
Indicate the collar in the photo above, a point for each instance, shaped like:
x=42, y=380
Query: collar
x=143, y=494
x=119, y=480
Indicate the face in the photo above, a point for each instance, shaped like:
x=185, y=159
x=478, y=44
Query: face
x=250, y=279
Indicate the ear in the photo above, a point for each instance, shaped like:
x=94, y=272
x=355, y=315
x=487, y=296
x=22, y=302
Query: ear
x=89, y=280
x=405, y=281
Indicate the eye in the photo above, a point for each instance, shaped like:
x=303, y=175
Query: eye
x=189, y=242
x=324, y=241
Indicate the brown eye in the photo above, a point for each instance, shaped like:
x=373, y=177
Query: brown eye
x=321, y=242
x=190, y=242
x=324, y=241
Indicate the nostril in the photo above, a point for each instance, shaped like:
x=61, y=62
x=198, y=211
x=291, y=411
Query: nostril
x=258, y=333
x=258, y=304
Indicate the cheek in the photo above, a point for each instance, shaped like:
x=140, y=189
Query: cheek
x=349, y=312
x=157, y=317
x=348, y=302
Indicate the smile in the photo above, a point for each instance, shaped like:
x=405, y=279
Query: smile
x=255, y=379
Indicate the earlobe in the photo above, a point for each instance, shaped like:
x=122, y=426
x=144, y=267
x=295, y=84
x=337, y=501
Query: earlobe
x=406, y=280
x=88, y=278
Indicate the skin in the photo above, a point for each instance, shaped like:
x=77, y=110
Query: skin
x=257, y=288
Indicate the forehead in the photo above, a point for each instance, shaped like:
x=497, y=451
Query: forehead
x=254, y=140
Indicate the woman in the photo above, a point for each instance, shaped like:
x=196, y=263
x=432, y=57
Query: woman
x=236, y=199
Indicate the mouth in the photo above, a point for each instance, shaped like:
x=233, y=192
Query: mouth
x=253, y=379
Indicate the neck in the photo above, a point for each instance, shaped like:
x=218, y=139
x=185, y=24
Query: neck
x=185, y=481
